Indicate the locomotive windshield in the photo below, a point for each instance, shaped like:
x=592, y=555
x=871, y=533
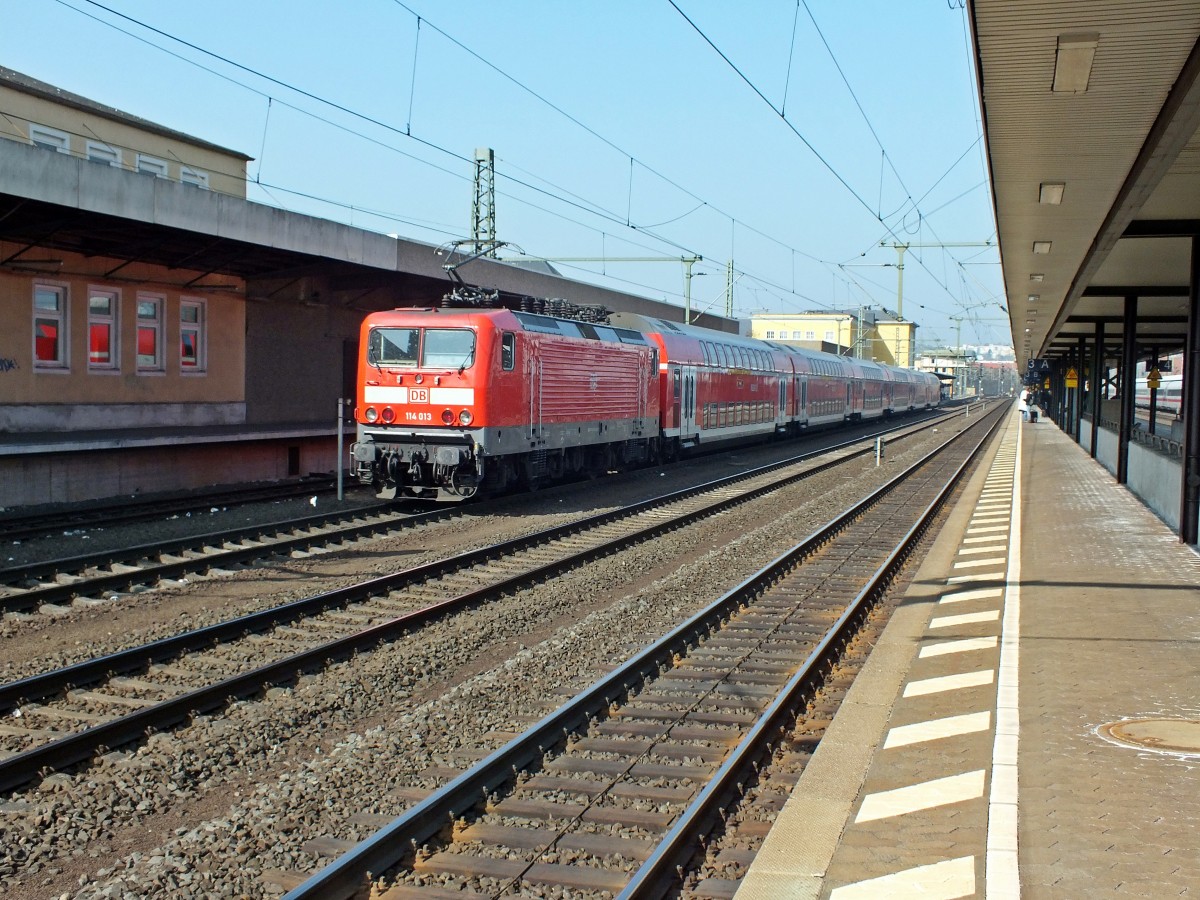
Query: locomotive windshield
x=394, y=346
x=448, y=348
x=430, y=348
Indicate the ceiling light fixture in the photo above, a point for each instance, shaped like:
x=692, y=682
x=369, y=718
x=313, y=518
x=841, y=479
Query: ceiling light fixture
x=1037, y=277
x=1042, y=247
x=1051, y=192
x=1034, y=298
x=1073, y=62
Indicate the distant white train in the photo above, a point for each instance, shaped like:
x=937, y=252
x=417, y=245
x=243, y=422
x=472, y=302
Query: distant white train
x=1170, y=393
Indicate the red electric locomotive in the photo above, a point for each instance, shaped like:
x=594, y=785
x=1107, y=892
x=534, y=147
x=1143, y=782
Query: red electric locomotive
x=454, y=400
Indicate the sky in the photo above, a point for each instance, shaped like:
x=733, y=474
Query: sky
x=796, y=140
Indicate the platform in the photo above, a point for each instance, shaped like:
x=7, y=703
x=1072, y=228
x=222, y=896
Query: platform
x=83, y=466
x=971, y=757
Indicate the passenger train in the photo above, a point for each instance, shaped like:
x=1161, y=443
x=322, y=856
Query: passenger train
x=452, y=402
x=1169, y=397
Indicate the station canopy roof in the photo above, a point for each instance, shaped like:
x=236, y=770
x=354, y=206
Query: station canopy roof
x=1090, y=111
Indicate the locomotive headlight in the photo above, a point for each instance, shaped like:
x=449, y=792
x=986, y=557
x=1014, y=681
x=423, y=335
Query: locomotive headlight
x=372, y=414
x=419, y=378
x=389, y=415
x=465, y=417
x=447, y=417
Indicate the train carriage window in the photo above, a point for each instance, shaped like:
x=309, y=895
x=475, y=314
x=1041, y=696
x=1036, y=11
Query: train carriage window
x=675, y=381
x=393, y=346
x=449, y=348
x=508, y=351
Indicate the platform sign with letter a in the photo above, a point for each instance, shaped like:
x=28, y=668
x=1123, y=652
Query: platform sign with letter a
x=1072, y=378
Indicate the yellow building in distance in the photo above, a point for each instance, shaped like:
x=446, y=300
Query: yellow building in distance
x=871, y=335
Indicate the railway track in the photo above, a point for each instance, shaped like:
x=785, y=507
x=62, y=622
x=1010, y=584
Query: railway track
x=60, y=718
x=612, y=793
x=103, y=575
x=22, y=526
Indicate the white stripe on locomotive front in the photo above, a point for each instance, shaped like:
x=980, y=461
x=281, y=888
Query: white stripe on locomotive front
x=378, y=393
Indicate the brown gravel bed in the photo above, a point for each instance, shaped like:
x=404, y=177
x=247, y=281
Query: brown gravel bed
x=204, y=811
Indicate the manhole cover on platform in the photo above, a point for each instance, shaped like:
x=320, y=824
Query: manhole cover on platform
x=1166, y=735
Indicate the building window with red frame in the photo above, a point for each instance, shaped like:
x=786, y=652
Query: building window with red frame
x=49, y=326
x=149, y=334
x=102, y=329
x=192, y=343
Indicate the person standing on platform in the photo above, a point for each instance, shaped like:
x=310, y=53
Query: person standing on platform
x=1023, y=404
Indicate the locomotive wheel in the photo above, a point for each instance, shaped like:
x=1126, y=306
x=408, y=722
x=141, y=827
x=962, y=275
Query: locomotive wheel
x=466, y=491
x=533, y=481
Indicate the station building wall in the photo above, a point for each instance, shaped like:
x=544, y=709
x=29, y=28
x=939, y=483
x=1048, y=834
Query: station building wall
x=61, y=122
x=298, y=360
x=80, y=351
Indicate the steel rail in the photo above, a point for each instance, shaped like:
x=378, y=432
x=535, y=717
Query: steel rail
x=23, y=767
x=389, y=846
x=134, y=658
x=679, y=844
x=37, y=686
x=118, y=581
x=24, y=525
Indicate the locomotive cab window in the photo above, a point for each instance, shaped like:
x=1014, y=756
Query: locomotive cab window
x=432, y=348
x=508, y=351
x=448, y=348
x=394, y=346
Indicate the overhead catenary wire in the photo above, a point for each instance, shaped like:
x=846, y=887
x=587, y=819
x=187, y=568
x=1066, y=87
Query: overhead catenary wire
x=820, y=158
x=556, y=194
x=581, y=204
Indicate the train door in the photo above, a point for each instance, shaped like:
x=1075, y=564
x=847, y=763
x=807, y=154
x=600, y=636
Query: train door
x=642, y=381
x=676, y=400
x=687, y=405
x=782, y=410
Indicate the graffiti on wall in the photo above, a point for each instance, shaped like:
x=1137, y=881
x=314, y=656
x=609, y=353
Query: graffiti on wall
x=7, y=365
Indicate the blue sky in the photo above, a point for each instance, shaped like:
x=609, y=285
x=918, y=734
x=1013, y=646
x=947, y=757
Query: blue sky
x=619, y=131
